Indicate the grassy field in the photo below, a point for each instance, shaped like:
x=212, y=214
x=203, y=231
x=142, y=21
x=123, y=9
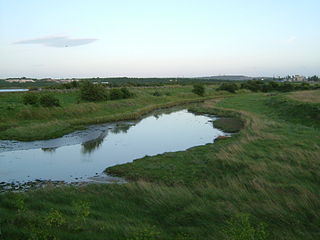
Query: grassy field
x=263, y=183
x=25, y=122
x=306, y=96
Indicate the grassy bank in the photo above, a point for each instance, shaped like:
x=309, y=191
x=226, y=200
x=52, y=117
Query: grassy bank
x=22, y=122
x=271, y=168
x=306, y=96
x=268, y=171
x=229, y=125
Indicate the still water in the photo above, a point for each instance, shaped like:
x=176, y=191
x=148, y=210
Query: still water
x=83, y=154
x=14, y=90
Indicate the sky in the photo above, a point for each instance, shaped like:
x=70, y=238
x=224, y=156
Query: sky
x=158, y=38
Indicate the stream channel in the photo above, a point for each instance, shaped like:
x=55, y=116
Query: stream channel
x=83, y=155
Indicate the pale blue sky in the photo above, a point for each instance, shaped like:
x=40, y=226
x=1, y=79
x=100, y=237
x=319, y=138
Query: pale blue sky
x=163, y=38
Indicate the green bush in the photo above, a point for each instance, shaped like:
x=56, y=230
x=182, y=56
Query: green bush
x=253, y=85
x=156, y=94
x=116, y=93
x=198, y=89
x=92, y=92
x=30, y=99
x=48, y=100
x=19, y=202
x=81, y=211
x=120, y=93
x=263, y=86
x=230, y=87
x=55, y=218
x=126, y=93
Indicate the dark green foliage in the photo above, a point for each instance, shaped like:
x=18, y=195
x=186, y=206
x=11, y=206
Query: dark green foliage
x=198, y=89
x=126, y=93
x=229, y=87
x=92, y=92
x=253, y=85
x=30, y=99
x=156, y=94
x=304, y=86
x=74, y=84
x=70, y=85
x=120, y=93
x=287, y=87
x=115, y=94
x=264, y=86
x=270, y=86
x=49, y=100
x=314, y=78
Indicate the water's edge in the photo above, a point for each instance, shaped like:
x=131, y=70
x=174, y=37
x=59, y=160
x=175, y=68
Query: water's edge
x=83, y=137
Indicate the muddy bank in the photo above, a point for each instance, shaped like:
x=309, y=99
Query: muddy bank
x=40, y=184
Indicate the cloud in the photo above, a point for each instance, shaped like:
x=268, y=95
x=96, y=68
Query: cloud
x=58, y=41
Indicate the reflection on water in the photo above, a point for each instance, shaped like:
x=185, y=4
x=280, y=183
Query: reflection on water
x=121, y=128
x=90, y=146
x=86, y=153
x=50, y=150
x=94, y=144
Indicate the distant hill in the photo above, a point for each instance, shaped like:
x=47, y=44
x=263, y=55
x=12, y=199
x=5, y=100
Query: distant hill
x=229, y=77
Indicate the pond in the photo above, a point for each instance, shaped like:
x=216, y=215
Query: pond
x=78, y=156
x=14, y=90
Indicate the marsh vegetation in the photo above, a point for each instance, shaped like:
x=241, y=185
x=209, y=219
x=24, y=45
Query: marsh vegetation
x=262, y=183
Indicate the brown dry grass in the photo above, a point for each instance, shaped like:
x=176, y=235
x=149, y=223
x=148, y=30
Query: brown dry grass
x=306, y=96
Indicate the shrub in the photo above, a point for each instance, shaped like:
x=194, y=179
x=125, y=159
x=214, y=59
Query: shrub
x=30, y=99
x=286, y=87
x=81, y=211
x=55, y=218
x=92, y=92
x=156, y=94
x=19, y=202
x=48, y=100
x=252, y=85
x=198, y=89
x=126, y=93
x=230, y=87
x=116, y=93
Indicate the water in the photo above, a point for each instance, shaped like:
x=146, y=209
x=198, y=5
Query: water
x=83, y=154
x=13, y=90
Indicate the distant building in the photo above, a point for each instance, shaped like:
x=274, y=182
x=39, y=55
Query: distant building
x=61, y=80
x=296, y=78
x=19, y=80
